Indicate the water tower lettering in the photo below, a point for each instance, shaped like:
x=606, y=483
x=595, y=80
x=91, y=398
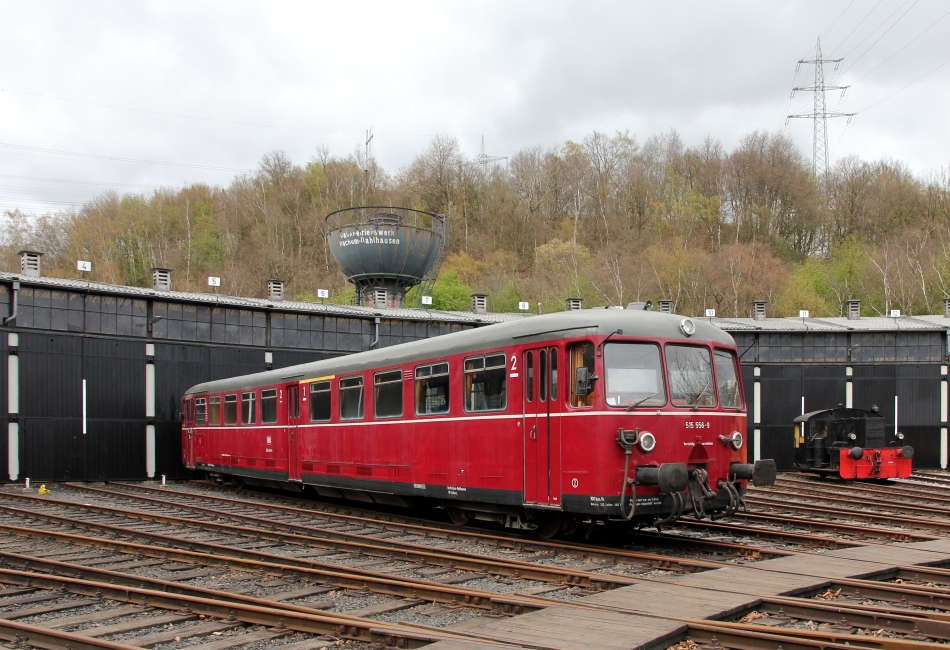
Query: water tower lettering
x=351, y=237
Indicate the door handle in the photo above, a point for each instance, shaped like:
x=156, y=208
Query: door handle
x=534, y=432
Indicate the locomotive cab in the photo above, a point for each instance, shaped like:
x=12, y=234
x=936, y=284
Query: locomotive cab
x=850, y=443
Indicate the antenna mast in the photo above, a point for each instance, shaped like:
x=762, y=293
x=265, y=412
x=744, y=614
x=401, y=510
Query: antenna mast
x=369, y=138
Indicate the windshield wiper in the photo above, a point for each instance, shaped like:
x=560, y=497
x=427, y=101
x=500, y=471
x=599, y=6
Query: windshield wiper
x=633, y=406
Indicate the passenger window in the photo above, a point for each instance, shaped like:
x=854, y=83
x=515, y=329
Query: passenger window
x=248, y=412
x=269, y=406
x=485, y=383
x=432, y=389
x=388, y=394
x=582, y=363
x=553, y=374
x=320, y=401
x=691, y=378
x=542, y=375
x=351, y=398
x=728, y=380
x=230, y=409
x=201, y=411
x=215, y=409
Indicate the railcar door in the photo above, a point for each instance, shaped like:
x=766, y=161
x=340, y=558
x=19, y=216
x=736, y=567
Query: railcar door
x=542, y=426
x=293, y=421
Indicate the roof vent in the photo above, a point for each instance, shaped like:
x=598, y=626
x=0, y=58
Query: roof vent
x=645, y=306
x=946, y=307
x=574, y=303
x=380, y=298
x=161, y=279
x=480, y=303
x=666, y=306
x=275, y=290
x=30, y=263
x=854, y=310
x=758, y=310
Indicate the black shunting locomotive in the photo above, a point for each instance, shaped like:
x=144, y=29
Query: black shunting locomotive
x=850, y=443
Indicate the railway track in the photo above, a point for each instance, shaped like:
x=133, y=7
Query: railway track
x=95, y=544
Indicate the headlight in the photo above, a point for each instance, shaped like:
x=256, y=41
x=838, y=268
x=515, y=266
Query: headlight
x=647, y=442
x=900, y=436
x=736, y=439
x=687, y=327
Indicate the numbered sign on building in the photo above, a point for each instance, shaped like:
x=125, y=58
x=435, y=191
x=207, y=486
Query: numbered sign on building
x=803, y=313
x=710, y=313
x=426, y=300
x=524, y=306
x=213, y=281
x=323, y=293
x=83, y=265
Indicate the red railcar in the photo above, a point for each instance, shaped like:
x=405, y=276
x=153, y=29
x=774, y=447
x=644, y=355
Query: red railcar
x=541, y=422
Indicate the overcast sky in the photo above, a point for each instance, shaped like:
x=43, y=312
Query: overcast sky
x=134, y=95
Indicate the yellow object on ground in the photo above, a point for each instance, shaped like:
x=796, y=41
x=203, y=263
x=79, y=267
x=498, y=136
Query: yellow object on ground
x=43, y=490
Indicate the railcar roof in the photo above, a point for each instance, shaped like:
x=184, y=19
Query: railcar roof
x=581, y=322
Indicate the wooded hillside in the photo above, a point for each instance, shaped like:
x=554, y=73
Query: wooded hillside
x=609, y=219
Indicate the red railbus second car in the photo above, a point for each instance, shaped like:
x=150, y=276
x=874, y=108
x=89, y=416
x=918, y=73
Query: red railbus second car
x=540, y=423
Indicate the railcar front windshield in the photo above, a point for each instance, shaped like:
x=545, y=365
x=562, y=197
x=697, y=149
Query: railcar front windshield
x=634, y=375
x=691, y=376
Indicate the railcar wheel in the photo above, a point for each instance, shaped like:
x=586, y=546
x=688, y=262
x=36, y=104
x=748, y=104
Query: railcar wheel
x=456, y=515
x=549, y=525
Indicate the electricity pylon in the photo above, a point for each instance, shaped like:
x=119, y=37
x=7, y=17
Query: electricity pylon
x=819, y=113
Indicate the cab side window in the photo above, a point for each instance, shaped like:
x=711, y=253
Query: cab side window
x=432, y=389
x=201, y=411
x=582, y=366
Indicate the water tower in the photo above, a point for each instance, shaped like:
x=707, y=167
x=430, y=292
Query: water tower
x=385, y=251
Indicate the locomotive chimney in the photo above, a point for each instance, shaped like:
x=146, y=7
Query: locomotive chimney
x=854, y=310
x=161, y=279
x=574, y=303
x=480, y=303
x=666, y=306
x=758, y=310
x=30, y=263
x=275, y=290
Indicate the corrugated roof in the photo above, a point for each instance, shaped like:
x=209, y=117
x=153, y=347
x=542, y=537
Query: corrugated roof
x=790, y=324
x=263, y=303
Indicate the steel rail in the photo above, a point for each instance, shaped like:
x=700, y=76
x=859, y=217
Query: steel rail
x=458, y=560
x=891, y=490
x=851, y=502
x=44, y=637
x=65, y=574
x=851, y=514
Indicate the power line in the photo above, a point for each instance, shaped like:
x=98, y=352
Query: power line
x=932, y=25
x=178, y=115
x=883, y=22
x=18, y=147
x=904, y=88
x=66, y=180
x=880, y=37
x=861, y=22
x=835, y=21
